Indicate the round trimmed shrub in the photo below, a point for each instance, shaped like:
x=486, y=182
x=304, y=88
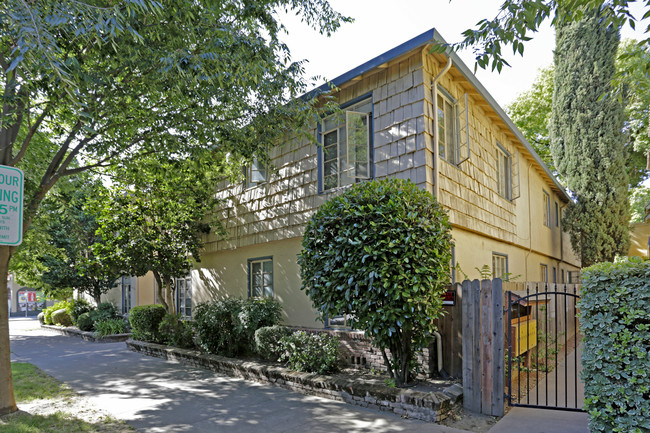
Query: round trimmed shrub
x=85, y=322
x=380, y=252
x=145, y=321
x=61, y=317
x=41, y=318
x=267, y=341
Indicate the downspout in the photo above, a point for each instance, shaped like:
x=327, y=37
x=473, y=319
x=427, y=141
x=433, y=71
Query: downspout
x=436, y=181
x=530, y=223
x=436, y=146
x=439, y=354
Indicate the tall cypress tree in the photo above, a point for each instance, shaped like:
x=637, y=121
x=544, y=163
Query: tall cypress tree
x=587, y=142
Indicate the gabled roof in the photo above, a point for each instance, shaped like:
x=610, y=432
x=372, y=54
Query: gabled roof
x=429, y=37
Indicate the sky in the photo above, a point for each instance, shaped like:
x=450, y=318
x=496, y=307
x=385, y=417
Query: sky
x=383, y=24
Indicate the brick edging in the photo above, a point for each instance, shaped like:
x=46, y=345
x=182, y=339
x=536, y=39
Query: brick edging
x=427, y=406
x=87, y=336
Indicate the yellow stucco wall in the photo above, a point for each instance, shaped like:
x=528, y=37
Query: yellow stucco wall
x=225, y=274
x=639, y=234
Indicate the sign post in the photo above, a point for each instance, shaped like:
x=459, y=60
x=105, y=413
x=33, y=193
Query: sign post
x=12, y=182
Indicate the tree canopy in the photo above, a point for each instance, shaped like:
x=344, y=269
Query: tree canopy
x=155, y=218
x=587, y=139
x=104, y=81
x=517, y=21
x=531, y=110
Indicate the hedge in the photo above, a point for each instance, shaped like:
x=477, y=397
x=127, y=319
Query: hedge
x=615, y=318
x=145, y=320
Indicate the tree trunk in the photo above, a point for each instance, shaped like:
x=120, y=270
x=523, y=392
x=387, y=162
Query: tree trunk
x=7, y=400
x=160, y=297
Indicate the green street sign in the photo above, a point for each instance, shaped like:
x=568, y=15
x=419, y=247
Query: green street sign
x=12, y=182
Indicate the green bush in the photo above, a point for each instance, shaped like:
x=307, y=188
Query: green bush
x=47, y=312
x=267, y=341
x=77, y=307
x=85, y=322
x=227, y=327
x=312, y=353
x=61, y=317
x=105, y=311
x=41, y=318
x=380, y=252
x=614, y=306
x=145, y=320
x=110, y=327
x=176, y=332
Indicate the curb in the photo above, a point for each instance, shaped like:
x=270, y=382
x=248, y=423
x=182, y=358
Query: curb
x=426, y=406
x=71, y=331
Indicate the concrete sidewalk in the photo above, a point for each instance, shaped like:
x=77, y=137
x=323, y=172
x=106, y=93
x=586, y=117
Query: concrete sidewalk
x=561, y=388
x=523, y=419
x=154, y=395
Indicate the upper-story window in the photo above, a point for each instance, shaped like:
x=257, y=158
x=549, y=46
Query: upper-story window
x=453, y=127
x=346, y=143
x=255, y=173
x=547, y=209
x=504, y=172
x=507, y=167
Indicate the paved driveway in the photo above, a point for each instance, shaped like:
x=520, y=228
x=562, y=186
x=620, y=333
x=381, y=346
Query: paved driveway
x=154, y=395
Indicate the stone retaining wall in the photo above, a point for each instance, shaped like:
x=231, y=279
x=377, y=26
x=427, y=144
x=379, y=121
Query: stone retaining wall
x=85, y=335
x=427, y=406
x=357, y=351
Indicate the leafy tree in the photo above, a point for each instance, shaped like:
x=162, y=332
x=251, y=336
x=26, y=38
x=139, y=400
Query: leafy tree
x=72, y=231
x=154, y=217
x=639, y=199
x=518, y=20
x=380, y=252
x=587, y=142
x=531, y=111
x=112, y=81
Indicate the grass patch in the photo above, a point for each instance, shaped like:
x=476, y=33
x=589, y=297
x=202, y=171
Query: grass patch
x=58, y=422
x=31, y=383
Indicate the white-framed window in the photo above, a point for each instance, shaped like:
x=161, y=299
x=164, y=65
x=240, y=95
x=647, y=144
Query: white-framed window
x=547, y=209
x=184, y=296
x=453, y=127
x=543, y=273
x=256, y=173
x=347, y=141
x=260, y=277
x=499, y=266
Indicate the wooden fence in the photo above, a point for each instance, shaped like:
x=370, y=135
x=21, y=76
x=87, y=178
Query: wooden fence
x=473, y=335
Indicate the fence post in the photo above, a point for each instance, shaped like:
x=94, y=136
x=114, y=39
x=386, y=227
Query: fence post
x=483, y=353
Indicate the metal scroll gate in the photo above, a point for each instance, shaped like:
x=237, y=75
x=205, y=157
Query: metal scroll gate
x=543, y=347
